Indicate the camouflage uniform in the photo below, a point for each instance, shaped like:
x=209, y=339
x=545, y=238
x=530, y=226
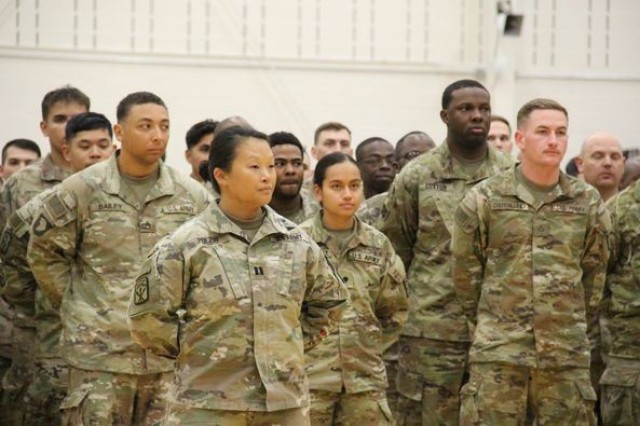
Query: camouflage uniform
x=234, y=314
x=418, y=219
x=16, y=192
x=349, y=361
x=529, y=277
x=370, y=212
x=620, y=383
x=87, y=242
x=34, y=317
x=307, y=210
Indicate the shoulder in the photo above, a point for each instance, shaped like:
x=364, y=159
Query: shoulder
x=186, y=184
x=28, y=176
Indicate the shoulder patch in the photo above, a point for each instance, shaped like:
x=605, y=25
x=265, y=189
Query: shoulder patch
x=141, y=291
x=41, y=225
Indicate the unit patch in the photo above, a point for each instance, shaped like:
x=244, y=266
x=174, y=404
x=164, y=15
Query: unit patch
x=141, y=291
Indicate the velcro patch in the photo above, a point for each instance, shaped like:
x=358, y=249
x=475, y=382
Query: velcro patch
x=141, y=291
x=569, y=208
x=466, y=221
x=509, y=205
x=180, y=208
x=365, y=257
x=55, y=207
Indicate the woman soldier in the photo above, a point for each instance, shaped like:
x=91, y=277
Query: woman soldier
x=234, y=295
x=346, y=371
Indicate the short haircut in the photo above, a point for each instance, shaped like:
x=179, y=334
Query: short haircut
x=572, y=168
x=366, y=142
x=496, y=117
x=285, y=138
x=223, y=151
x=331, y=125
x=85, y=122
x=66, y=94
x=26, y=144
x=327, y=161
x=447, y=95
x=403, y=138
x=198, y=130
x=539, y=104
x=136, y=98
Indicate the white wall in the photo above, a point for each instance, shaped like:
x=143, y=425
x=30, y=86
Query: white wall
x=379, y=66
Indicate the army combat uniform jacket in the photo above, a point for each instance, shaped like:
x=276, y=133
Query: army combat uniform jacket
x=236, y=314
x=87, y=243
x=418, y=219
x=530, y=277
x=377, y=310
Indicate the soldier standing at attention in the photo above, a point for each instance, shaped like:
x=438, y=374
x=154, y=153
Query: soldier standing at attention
x=418, y=219
x=87, y=242
x=530, y=251
x=88, y=137
x=346, y=371
x=234, y=296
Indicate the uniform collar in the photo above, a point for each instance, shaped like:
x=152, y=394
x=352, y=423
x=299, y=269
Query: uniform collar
x=566, y=187
x=219, y=223
x=321, y=235
x=50, y=172
x=448, y=171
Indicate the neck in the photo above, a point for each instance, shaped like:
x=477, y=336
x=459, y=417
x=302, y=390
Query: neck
x=368, y=193
x=286, y=204
x=59, y=160
x=337, y=223
x=129, y=167
x=460, y=150
x=607, y=193
x=542, y=176
x=196, y=176
x=239, y=211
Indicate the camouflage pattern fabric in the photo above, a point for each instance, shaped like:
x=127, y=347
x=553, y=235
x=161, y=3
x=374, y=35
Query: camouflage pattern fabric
x=354, y=409
x=103, y=398
x=370, y=212
x=87, y=242
x=309, y=207
x=530, y=278
x=417, y=217
x=185, y=415
x=236, y=314
x=497, y=394
x=620, y=382
x=377, y=309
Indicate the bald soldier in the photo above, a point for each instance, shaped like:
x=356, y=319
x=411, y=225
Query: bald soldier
x=601, y=163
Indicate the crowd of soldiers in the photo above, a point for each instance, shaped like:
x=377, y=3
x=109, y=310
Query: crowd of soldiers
x=418, y=284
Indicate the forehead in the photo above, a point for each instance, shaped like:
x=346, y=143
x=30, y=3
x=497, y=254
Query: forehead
x=17, y=152
x=95, y=134
x=149, y=111
x=498, y=127
x=341, y=134
x=66, y=108
x=205, y=140
x=253, y=148
x=377, y=148
x=546, y=117
x=603, y=145
x=469, y=94
x=345, y=171
x=286, y=150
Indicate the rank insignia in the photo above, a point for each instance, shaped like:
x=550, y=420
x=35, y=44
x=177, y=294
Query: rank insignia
x=141, y=291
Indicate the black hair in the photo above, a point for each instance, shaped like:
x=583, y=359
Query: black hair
x=223, y=151
x=198, y=130
x=26, y=144
x=136, y=98
x=86, y=121
x=366, y=142
x=447, y=95
x=327, y=161
x=285, y=138
x=67, y=94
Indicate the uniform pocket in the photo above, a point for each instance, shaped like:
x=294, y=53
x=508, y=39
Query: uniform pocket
x=71, y=407
x=585, y=414
x=386, y=417
x=409, y=385
x=468, y=406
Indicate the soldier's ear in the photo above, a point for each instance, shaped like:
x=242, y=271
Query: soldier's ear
x=444, y=116
x=220, y=176
x=117, y=131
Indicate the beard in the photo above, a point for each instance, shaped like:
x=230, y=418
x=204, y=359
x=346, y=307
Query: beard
x=286, y=194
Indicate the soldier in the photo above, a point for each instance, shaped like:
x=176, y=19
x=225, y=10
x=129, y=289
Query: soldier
x=530, y=248
x=419, y=219
x=499, y=135
x=601, y=163
x=346, y=371
x=199, y=138
x=16, y=155
x=289, y=199
x=407, y=148
x=234, y=296
x=329, y=137
x=620, y=382
x=88, y=141
x=375, y=159
x=58, y=106
x=87, y=242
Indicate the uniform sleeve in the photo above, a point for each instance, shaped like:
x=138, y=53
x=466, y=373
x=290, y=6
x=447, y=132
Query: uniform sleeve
x=392, y=305
x=400, y=217
x=7, y=207
x=594, y=269
x=156, y=304
x=53, y=243
x=324, y=301
x=468, y=258
x=19, y=284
